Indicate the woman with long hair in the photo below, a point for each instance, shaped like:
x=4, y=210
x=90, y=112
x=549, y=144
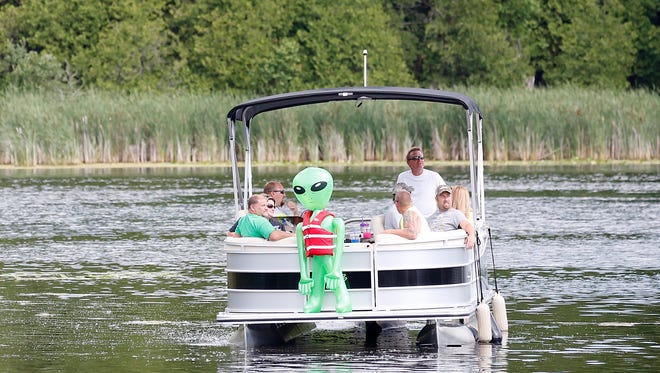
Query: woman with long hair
x=461, y=201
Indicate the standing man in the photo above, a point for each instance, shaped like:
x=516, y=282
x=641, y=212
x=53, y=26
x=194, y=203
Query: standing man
x=449, y=218
x=423, y=181
x=283, y=207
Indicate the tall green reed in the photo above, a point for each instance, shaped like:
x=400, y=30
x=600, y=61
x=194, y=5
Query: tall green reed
x=570, y=123
x=543, y=124
x=100, y=127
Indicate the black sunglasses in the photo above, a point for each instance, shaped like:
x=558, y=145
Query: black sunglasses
x=270, y=206
x=416, y=158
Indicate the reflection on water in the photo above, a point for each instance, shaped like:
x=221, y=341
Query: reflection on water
x=121, y=269
x=345, y=351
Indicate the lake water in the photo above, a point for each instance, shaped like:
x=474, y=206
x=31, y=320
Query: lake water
x=121, y=269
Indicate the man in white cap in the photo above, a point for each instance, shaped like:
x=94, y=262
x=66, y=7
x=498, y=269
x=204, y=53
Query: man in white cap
x=448, y=218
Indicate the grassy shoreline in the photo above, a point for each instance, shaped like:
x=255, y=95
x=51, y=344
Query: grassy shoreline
x=555, y=124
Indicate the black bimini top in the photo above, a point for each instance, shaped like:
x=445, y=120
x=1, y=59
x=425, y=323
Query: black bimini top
x=247, y=110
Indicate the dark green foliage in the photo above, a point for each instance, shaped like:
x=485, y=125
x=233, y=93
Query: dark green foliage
x=587, y=44
x=270, y=46
x=28, y=70
x=148, y=74
x=643, y=18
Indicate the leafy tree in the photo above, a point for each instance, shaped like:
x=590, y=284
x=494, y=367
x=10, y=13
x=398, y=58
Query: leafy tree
x=411, y=18
x=29, y=70
x=264, y=47
x=519, y=21
x=235, y=39
x=183, y=18
x=585, y=43
x=464, y=45
x=644, y=17
x=597, y=46
x=134, y=51
x=281, y=72
x=334, y=36
x=65, y=29
x=268, y=46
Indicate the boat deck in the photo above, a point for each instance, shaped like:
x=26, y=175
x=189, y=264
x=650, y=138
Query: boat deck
x=295, y=317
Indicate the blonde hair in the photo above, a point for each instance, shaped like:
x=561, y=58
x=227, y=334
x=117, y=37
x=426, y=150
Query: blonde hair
x=461, y=200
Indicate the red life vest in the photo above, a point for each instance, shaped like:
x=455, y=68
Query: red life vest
x=318, y=240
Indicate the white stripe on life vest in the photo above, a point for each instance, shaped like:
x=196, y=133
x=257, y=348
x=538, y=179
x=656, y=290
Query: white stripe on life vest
x=316, y=247
x=319, y=236
x=308, y=226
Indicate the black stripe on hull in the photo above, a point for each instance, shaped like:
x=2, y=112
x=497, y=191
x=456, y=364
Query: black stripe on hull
x=355, y=280
x=287, y=281
x=422, y=277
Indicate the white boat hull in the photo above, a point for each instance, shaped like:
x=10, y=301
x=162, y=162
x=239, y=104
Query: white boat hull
x=391, y=280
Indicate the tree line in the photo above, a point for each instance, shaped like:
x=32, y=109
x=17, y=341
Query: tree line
x=273, y=46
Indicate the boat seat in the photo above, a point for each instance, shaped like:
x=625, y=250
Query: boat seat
x=245, y=239
x=289, y=241
x=240, y=214
x=386, y=238
x=377, y=223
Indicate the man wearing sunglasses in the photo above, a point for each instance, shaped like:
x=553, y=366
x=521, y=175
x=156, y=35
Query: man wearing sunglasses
x=283, y=207
x=424, y=182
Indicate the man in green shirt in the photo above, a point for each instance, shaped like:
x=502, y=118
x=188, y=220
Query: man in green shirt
x=255, y=225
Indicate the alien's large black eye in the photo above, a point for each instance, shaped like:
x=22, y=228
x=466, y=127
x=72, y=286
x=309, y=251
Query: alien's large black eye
x=318, y=186
x=298, y=189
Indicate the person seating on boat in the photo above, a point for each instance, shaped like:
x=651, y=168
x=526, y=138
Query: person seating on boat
x=283, y=206
x=286, y=210
x=448, y=218
x=254, y=224
x=392, y=217
x=412, y=221
x=268, y=214
x=461, y=201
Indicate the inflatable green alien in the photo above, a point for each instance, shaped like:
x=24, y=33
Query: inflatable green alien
x=321, y=237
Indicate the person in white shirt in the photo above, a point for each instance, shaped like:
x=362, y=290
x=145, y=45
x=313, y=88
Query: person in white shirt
x=412, y=222
x=424, y=182
x=392, y=217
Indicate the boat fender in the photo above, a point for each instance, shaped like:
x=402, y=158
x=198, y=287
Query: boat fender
x=483, y=323
x=499, y=309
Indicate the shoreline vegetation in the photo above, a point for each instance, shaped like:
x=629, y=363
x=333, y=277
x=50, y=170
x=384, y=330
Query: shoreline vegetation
x=104, y=129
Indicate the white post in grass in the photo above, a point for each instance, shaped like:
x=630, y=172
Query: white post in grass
x=364, y=55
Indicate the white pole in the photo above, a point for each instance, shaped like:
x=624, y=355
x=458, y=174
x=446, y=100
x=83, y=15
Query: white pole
x=364, y=55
